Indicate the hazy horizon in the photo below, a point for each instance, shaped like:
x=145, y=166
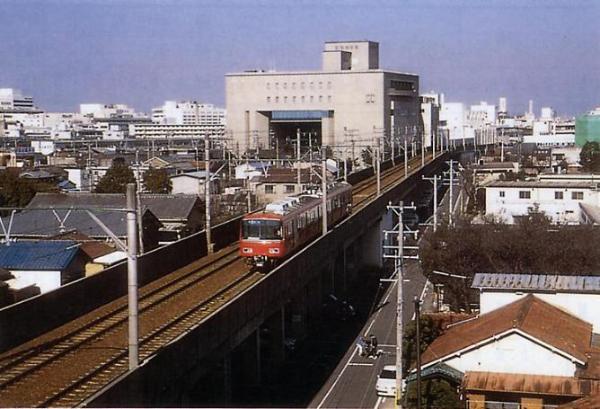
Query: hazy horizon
x=141, y=53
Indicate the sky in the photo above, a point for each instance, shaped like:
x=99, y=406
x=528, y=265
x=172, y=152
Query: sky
x=67, y=52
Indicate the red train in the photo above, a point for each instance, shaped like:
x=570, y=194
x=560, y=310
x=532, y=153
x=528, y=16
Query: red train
x=283, y=227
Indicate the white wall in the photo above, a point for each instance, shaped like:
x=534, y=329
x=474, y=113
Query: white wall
x=584, y=306
x=514, y=354
x=46, y=280
x=187, y=185
x=566, y=210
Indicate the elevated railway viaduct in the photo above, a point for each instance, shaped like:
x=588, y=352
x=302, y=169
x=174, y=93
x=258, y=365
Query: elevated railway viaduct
x=68, y=347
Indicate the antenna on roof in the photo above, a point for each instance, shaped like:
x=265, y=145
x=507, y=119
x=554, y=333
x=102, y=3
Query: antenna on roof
x=5, y=230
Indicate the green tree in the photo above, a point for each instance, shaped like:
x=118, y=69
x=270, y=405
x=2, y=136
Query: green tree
x=430, y=330
x=589, y=158
x=15, y=191
x=157, y=181
x=435, y=394
x=116, y=178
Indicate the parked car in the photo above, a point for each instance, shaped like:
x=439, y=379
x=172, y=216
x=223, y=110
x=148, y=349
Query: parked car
x=386, y=381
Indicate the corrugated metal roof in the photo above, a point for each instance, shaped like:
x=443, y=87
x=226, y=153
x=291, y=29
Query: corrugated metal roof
x=55, y=255
x=534, y=384
x=537, y=282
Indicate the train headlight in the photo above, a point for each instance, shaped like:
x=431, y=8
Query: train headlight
x=273, y=251
x=247, y=250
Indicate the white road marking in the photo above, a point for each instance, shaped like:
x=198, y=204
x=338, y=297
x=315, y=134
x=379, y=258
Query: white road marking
x=359, y=364
x=380, y=400
x=348, y=362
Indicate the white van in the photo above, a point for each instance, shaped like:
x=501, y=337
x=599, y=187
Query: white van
x=386, y=381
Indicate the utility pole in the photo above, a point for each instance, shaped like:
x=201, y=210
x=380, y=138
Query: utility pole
x=397, y=253
x=345, y=169
x=422, y=149
x=434, y=180
x=418, y=348
x=378, y=170
x=207, y=227
x=298, y=175
x=450, y=210
x=405, y=156
x=138, y=189
x=132, y=277
x=324, y=191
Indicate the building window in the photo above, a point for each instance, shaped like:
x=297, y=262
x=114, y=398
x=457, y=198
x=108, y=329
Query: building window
x=285, y=85
x=558, y=195
x=328, y=84
x=501, y=193
x=302, y=98
x=329, y=98
x=312, y=98
x=312, y=85
x=293, y=85
x=294, y=99
x=577, y=195
x=290, y=188
x=285, y=100
x=268, y=85
x=302, y=85
x=268, y=99
x=524, y=194
x=320, y=85
x=320, y=98
x=276, y=100
x=276, y=85
x=269, y=189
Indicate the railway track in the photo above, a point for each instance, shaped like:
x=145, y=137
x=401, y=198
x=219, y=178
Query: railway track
x=81, y=357
x=69, y=364
x=365, y=191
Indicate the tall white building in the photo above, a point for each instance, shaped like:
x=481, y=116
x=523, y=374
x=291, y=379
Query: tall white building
x=13, y=100
x=188, y=113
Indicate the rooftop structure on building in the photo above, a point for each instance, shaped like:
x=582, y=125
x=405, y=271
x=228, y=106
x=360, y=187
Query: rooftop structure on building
x=266, y=109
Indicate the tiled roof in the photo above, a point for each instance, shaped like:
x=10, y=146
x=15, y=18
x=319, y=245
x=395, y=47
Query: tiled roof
x=537, y=282
x=38, y=223
x=531, y=384
x=163, y=206
x=530, y=315
x=38, y=255
x=92, y=248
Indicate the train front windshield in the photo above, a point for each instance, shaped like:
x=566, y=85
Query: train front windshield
x=261, y=229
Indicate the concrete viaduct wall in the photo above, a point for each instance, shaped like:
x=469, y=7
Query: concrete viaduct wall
x=26, y=320
x=238, y=319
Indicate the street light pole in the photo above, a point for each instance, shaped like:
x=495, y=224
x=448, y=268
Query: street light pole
x=298, y=175
x=418, y=348
x=207, y=228
x=324, y=191
x=132, y=277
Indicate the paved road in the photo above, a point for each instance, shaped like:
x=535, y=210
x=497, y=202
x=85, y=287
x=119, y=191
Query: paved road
x=352, y=384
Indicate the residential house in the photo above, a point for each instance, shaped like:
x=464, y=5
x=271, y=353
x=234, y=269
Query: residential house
x=562, y=201
x=528, y=353
x=37, y=224
x=46, y=264
x=193, y=183
x=278, y=183
x=179, y=215
x=579, y=295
